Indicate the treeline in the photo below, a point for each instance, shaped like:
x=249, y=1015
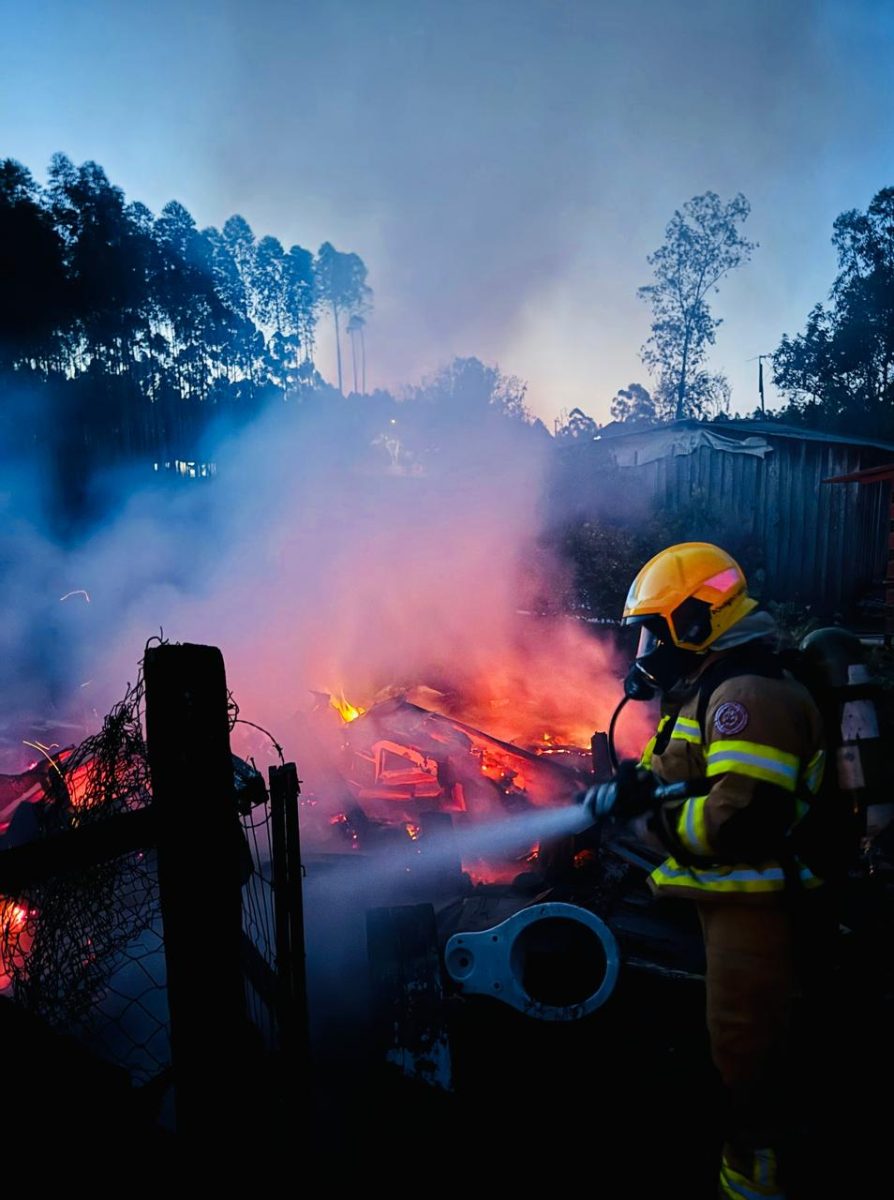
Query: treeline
x=836, y=376
x=123, y=333
x=839, y=373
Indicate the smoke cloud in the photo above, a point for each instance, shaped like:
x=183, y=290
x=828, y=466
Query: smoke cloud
x=331, y=552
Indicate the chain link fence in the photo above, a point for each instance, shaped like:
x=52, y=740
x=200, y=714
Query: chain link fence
x=82, y=943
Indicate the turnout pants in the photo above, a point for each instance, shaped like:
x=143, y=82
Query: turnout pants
x=750, y=987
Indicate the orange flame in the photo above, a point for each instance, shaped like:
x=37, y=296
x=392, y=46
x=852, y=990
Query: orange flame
x=346, y=710
x=13, y=921
x=78, y=784
x=12, y=915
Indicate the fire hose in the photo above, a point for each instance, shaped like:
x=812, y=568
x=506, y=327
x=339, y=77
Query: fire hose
x=601, y=800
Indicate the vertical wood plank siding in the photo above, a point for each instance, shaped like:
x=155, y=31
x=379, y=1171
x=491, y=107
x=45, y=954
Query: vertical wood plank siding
x=824, y=544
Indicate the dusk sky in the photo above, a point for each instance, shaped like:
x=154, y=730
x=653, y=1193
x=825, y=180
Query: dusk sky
x=502, y=166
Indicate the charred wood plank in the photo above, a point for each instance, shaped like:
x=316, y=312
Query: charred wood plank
x=407, y=992
x=75, y=850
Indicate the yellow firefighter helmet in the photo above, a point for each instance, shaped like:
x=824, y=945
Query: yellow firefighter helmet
x=689, y=594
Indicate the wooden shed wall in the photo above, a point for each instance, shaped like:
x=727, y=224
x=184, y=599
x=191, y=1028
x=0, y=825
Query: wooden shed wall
x=822, y=543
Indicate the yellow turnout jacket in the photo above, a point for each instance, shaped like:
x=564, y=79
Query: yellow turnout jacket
x=760, y=754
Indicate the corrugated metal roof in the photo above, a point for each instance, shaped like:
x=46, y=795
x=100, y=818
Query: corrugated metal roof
x=766, y=428
x=778, y=429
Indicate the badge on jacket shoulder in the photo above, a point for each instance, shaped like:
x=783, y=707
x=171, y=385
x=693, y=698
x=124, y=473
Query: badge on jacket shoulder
x=730, y=718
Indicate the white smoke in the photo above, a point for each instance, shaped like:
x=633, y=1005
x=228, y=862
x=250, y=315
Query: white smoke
x=334, y=550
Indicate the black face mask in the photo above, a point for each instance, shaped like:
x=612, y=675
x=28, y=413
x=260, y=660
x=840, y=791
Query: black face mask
x=659, y=666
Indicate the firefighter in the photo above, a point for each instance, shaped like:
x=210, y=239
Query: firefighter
x=749, y=739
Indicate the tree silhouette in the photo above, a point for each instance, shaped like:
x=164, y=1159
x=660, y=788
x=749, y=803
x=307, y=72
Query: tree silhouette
x=300, y=299
x=35, y=294
x=123, y=333
x=702, y=243
x=341, y=286
x=467, y=388
x=356, y=327
x=575, y=426
x=634, y=403
x=840, y=371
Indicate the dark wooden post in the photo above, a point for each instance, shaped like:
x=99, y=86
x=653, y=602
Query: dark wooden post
x=285, y=999
x=288, y=886
x=406, y=992
x=888, y=635
x=199, y=872
x=286, y=787
x=602, y=762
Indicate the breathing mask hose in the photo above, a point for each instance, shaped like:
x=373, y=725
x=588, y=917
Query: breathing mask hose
x=613, y=757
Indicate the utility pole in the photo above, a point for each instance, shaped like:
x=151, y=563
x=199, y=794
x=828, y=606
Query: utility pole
x=759, y=359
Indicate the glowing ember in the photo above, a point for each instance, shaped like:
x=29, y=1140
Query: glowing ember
x=76, y=781
x=12, y=916
x=413, y=830
x=346, y=710
x=501, y=769
x=13, y=935
x=341, y=822
x=45, y=751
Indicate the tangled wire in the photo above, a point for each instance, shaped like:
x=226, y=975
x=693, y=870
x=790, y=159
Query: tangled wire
x=84, y=948
x=62, y=938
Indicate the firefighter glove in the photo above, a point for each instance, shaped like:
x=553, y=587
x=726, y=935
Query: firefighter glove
x=630, y=794
x=635, y=790
x=599, y=800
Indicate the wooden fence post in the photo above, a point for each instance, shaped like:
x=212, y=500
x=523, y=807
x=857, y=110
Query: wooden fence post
x=199, y=872
x=289, y=914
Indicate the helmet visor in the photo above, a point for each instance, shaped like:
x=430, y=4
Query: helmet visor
x=653, y=631
x=658, y=658
x=648, y=642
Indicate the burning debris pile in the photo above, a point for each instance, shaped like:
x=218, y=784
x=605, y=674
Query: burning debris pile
x=398, y=763
x=400, y=757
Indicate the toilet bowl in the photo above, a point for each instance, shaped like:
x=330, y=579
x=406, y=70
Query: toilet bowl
x=552, y=961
